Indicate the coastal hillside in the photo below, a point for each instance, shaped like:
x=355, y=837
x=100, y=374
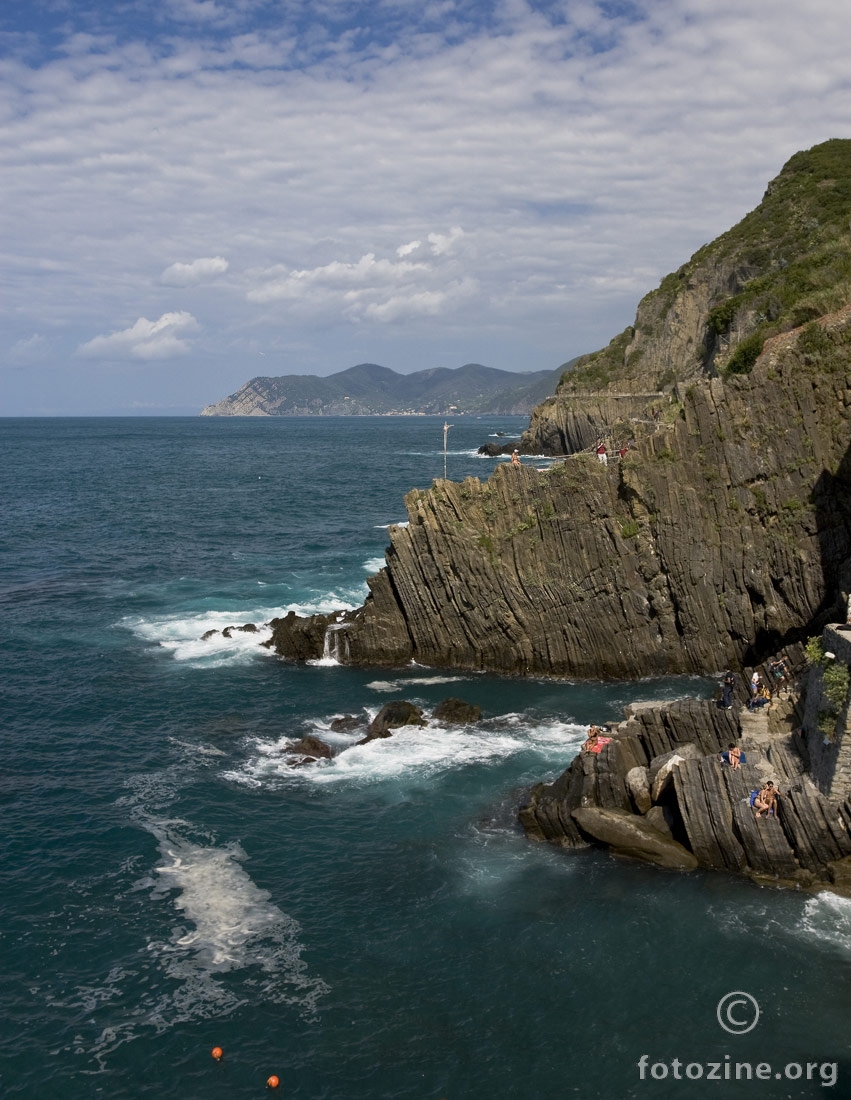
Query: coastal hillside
x=785, y=264
x=369, y=390
x=723, y=530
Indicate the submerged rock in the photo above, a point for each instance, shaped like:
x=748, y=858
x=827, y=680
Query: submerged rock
x=456, y=712
x=314, y=748
x=345, y=724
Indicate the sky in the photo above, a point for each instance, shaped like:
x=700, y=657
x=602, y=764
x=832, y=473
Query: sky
x=197, y=192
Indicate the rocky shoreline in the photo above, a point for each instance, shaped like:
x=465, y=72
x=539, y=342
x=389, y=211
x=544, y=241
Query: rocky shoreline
x=660, y=792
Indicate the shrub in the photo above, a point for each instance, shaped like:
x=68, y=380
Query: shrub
x=746, y=353
x=814, y=651
x=835, y=679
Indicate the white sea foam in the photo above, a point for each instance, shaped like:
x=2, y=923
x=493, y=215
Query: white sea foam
x=403, y=682
x=229, y=942
x=827, y=920
x=226, y=925
x=823, y=920
x=412, y=752
x=374, y=565
x=182, y=634
x=491, y=860
x=384, y=526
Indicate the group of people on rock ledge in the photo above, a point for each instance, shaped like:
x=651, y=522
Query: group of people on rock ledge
x=758, y=692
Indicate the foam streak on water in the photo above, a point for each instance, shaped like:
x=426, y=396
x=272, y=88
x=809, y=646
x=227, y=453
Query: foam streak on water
x=227, y=924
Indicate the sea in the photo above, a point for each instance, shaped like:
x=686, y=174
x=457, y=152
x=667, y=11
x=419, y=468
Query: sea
x=371, y=926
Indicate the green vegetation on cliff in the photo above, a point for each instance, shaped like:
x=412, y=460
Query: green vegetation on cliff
x=786, y=263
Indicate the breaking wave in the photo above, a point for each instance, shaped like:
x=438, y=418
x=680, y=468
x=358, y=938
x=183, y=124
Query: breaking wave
x=410, y=753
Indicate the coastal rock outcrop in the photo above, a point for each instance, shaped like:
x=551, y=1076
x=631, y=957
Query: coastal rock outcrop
x=700, y=812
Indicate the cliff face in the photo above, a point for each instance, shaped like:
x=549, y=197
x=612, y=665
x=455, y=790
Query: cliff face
x=722, y=533
x=725, y=528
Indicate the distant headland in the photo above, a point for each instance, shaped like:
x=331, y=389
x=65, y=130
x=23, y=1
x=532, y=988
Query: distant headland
x=372, y=390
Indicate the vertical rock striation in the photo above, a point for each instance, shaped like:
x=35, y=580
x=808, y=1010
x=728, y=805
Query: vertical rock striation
x=723, y=532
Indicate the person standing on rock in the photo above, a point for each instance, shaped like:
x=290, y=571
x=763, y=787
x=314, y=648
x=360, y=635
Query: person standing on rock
x=727, y=684
x=515, y=458
x=602, y=456
x=753, y=687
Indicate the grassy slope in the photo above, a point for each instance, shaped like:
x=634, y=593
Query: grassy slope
x=793, y=257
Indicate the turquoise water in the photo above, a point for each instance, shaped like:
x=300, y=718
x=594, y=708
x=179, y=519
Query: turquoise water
x=373, y=927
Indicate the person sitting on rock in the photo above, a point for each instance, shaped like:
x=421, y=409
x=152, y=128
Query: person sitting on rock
x=592, y=740
x=733, y=756
x=515, y=458
x=766, y=801
x=757, y=699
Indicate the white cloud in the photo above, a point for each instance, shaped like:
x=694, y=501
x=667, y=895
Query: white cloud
x=584, y=158
x=145, y=339
x=189, y=274
x=336, y=277
x=441, y=243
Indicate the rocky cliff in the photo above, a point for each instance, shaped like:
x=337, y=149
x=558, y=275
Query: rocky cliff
x=724, y=529
x=720, y=535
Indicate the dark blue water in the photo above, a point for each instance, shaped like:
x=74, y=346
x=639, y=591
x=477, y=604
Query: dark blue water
x=376, y=927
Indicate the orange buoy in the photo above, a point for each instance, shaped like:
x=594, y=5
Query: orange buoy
x=272, y=1082
x=217, y=1053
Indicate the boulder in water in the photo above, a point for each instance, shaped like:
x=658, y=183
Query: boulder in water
x=455, y=712
x=312, y=747
x=345, y=724
x=392, y=715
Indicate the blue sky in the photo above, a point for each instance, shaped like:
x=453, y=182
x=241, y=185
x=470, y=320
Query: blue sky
x=195, y=192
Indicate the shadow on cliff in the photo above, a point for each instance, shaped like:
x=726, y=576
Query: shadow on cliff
x=831, y=497
x=831, y=500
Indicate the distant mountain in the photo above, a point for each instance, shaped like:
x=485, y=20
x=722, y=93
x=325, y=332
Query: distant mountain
x=369, y=390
